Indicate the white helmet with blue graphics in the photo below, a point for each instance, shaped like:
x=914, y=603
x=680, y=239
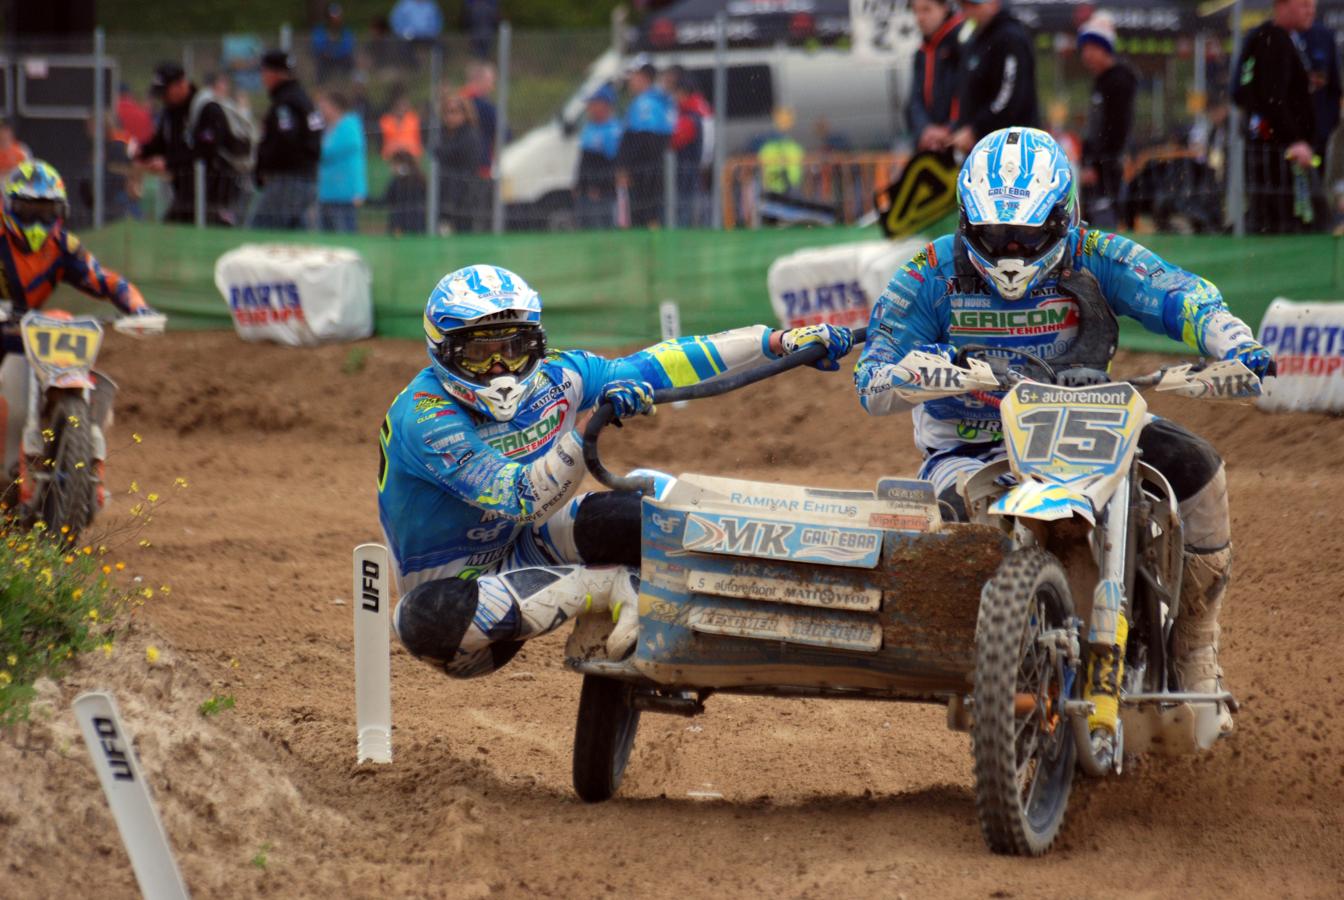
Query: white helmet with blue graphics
x=1018, y=203
x=483, y=331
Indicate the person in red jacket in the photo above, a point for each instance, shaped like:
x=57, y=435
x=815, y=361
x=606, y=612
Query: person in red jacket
x=693, y=144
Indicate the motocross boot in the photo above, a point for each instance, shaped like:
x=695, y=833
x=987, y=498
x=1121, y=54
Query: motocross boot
x=1195, y=641
x=579, y=590
x=1206, y=523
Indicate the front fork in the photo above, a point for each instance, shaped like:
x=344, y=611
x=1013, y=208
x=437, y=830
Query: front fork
x=1101, y=735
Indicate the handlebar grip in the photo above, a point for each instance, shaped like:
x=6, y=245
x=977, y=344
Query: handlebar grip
x=605, y=414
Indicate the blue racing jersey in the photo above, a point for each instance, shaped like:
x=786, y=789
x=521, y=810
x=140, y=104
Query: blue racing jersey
x=457, y=490
x=929, y=300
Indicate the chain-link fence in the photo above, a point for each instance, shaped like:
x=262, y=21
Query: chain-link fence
x=560, y=130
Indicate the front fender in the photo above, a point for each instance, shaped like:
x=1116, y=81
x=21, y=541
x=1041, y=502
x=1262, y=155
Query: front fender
x=1046, y=502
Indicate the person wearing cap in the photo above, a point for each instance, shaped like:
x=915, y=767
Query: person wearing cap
x=333, y=45
x=1110, y=120
x=1274, y=89
x=997, y=82
x=649, y=121
x=600, y=138
x=290, y=148
x=192, y=127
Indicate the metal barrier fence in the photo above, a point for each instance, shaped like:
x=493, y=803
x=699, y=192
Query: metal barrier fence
x=441, y=141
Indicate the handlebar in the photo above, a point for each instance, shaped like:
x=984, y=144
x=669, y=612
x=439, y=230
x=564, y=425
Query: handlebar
x=605, y=413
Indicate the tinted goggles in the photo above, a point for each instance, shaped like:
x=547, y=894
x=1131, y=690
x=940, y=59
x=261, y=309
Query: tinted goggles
x=1013, y=241
x=477, y=352
x=31, y=210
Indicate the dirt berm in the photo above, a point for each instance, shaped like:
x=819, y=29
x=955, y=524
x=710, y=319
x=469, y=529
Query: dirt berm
x=777, y=798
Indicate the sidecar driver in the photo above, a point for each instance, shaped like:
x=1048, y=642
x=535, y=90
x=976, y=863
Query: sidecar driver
x=480, y=468
x=1018, y=237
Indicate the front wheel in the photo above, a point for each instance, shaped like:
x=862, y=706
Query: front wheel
x=68, y=492
x=1023, y=746
x=603, y=736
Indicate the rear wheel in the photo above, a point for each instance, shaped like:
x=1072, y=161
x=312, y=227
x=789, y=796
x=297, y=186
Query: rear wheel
x=69, y=490
x=603, y=736
x=1023, y=745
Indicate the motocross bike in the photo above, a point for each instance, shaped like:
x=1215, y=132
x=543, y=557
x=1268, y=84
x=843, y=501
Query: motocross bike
x=68, y=410
x=1044, y=623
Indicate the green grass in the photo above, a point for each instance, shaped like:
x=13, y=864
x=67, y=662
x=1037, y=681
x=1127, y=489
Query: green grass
x=216, y=705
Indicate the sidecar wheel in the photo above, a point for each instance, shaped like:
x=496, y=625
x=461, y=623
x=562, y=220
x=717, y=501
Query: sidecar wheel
x=603, y=736
x=1023, y=745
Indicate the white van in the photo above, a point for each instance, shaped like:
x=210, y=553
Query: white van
x=861, y=99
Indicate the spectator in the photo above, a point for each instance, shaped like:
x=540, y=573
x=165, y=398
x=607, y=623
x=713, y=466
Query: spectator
x=459, y=156
x=480, y=20
x=385, y=50
x=11, y=151
x=405, y=197
x=1110, y=120
x=222, y=88
x=480, y=87
x=1318, y=43
x=342, y=177
x=781, y=156
x=997, y=80
x=416, y=20
x=595, y=196
x=933, y=90
x=291, y=145
x=691, y=136
x=193, y=126
x=333, y=46
x=134, y=116
x=639, y=161
x=1275, y=91
x=400, y=127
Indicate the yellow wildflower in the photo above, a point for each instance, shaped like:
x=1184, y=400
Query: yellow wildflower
x=45, y=576
x=151, y=654
x=107, y=570
x=107, y=648
x=147, y=593
x=121, y=567
x=68, y=559
x=165, y=589
x=5, y=677
x=180, y=482
x=153, y=498
x=137, y=438
x=93, y=615
x=76, y=593
x=12, y=659
x=144, y=543
x=65, y=529
x=135, y=488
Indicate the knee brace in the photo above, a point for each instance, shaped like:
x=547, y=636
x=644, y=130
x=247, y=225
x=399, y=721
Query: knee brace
x=606, y=529
x=437, y=622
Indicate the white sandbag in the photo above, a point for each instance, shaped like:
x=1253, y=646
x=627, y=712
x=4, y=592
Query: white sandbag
x=1307, y=340
x=836, y=285
x=297, y=295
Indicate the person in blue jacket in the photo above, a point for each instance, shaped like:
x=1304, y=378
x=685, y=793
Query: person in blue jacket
x=1000, y=280
x=480, y=467
x=342, y=170
x=649, y=122
x=600, y=138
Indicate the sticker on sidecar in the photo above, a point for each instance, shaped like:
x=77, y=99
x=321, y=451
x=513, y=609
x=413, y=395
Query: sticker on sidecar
x=817, y=629
x=741, y=536
x=781, y=590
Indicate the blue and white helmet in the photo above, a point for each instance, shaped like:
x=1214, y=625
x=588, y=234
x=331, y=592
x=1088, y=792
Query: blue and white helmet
x=1018, y=203
x=485, y=340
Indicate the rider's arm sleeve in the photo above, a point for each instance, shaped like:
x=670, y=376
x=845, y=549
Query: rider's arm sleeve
x=675, y=363
x=1164, y=298
x=904, y=316
x=84, y=272
x=441, y=446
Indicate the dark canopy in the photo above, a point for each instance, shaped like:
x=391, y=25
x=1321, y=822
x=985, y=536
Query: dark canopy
x=750, y=23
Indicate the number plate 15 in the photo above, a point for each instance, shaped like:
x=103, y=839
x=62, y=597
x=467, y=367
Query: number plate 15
x=55, y=346
x=1064, y=434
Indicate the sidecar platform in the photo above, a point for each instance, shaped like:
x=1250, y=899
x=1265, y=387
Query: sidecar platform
x=754, y=587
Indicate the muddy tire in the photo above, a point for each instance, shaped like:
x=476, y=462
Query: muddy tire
x=70, y=493
x=1024, y=761
x=603, y=736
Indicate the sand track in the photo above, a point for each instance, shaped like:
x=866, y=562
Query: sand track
x=818, y=798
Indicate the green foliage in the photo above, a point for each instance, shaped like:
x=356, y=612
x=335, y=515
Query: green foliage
x=259, y=861
x=56, y=602
x=355, y=360
x=215, y=705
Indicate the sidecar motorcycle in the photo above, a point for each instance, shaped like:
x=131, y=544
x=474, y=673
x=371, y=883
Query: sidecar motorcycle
x=1043, y=624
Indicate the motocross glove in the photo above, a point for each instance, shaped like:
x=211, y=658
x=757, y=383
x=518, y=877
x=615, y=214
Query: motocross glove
x=629, y=398
x=837, y=341
x=1254, y=357
x=946, y=351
